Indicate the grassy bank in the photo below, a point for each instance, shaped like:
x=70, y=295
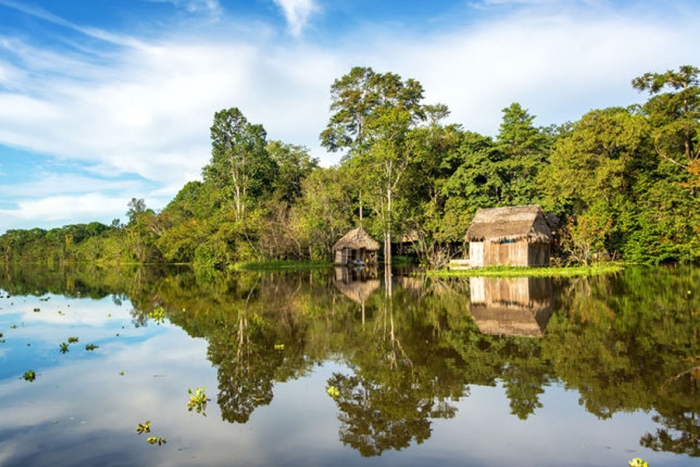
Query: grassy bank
x=508, y=271
x=279, y=265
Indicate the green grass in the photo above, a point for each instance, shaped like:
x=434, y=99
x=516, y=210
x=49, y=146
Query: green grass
x=511, y=271
x=279, y=265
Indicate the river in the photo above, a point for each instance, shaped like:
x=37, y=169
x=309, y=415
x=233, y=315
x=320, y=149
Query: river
x=102, y=366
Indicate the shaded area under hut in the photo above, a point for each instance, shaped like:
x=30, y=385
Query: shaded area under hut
x=355, y=247
x=509, y=236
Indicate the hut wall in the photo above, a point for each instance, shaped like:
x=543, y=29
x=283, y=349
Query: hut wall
x=538, y=254
x=341, y=256
x=476, y=254
x=506, y=254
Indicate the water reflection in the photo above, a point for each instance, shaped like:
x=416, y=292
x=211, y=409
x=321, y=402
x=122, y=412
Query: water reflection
x=514, y=306
x=412, y=353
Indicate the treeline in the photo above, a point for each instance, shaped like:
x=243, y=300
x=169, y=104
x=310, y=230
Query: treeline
x=622, y=182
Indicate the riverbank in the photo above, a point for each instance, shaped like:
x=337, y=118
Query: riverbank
x=512, y=271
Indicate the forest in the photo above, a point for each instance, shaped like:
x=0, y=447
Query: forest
x=622, y=183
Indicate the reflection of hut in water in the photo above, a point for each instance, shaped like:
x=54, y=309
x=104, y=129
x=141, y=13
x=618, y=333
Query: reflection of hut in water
x=510, y=236
x=515, y=307
x=358, y=291
x=357, y=285
x=355, y=246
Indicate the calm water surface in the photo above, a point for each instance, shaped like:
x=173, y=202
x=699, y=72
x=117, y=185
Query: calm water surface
x=344, y=368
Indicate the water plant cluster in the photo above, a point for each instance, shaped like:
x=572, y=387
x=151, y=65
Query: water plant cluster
x=198, y=400
x=145, y=427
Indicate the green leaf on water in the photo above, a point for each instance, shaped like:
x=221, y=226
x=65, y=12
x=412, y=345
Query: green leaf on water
x=144, y=427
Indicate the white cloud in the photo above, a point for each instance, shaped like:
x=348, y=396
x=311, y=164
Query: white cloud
x=48, y=184
x=559, y=66
x=297, y=13
x=93, y=205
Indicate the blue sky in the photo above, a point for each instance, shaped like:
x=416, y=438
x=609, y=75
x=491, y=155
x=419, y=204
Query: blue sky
x=102, y=100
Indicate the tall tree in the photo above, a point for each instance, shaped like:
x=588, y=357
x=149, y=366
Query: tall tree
x=674, y=114
x=136, y=207
x=240, y=165
x=356, y=98
x=373, y=116
x=524, y=148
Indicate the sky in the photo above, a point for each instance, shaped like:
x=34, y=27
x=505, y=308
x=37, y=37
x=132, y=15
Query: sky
x=102, y=101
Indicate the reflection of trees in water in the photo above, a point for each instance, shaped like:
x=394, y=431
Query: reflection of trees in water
x=631, y=342
x=679, y=415
x=249, y=358
x=247, y=362
x=626, y=342
x=376, y=417
x=390, y=401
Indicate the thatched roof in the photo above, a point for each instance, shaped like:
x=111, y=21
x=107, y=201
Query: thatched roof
x=357, y=239
x=510, y=223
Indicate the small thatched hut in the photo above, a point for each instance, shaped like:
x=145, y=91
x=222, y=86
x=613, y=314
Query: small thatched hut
x=356, y=245
x=510, y=236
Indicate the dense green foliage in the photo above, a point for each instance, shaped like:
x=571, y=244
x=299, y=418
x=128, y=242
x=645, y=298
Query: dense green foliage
x=624, y=183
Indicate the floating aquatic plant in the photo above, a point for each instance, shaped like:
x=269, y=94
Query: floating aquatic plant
x=91, y=347
x=144, y=427
x=638, y=462
x=158, y=315
x=64, y=347
x=72, y=340
x=156, y=440
x=333, y=391
x=29, y=375
x=198, y=400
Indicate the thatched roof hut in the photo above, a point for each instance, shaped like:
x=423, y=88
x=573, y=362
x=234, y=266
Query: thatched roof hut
x=356, y=245
x=510, y=236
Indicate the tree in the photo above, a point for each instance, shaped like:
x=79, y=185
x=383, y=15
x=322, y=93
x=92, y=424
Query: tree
x=675, y=114
x=324, y=211
x=386, y=162
x=357, y=97
x=524, y=149
x=136, y=207
x=596, y=166
x=240, y=166
x=294, y=165
x=374, y=114
x=422, y=213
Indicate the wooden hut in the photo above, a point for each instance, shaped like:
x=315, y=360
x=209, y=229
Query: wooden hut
x=510, y=236
x=356, y=246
